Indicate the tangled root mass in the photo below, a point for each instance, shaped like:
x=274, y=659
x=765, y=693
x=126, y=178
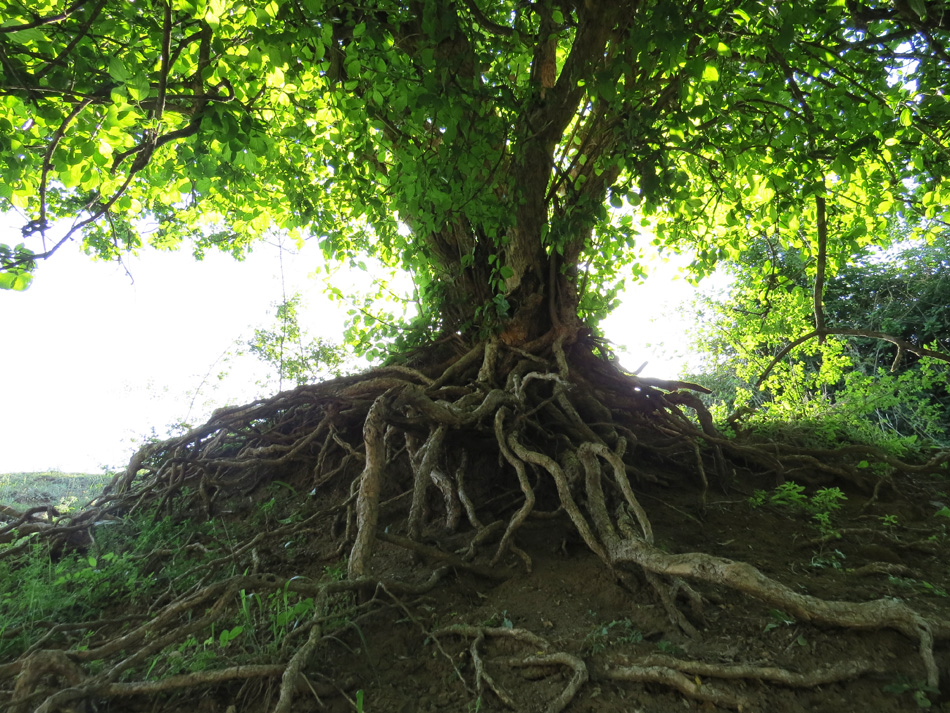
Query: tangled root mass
x=448, y=462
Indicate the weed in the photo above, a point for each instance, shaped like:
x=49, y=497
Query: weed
x=502, y=620
x=791, y=496
x=779, y=618
x=920, y=586
x=62, y=490
x=128, y=564
x=336, y=572
x=668, y=647
x=889, y=521
x=832, y=560
x=917, y=689
x=67, y=503
x=616, y=633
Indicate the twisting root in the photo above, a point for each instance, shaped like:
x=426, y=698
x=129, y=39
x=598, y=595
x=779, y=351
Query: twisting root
x=563, y=490
x=288, y=682
x=684, y=676
x=876, y=614
x=519, y=517
x=428, y=458
x=689, y=687
x=483, y=678
x=543, y=659
x=367, y=505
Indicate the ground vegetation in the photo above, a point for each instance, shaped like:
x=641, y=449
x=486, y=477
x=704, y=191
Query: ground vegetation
x=854, y=382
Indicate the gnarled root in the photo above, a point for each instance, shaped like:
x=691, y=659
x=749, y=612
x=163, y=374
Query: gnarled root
x=542, y=657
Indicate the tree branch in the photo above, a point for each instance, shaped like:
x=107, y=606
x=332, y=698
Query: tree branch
x=901, y=345
x=40, y=21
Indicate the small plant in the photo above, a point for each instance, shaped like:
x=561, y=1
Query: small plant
x=791, y=496
x=67, y=503
x=499, y=620
x=918, y=689
x=336, y=572
x=616, y=633
x=832, y=560
x=826, y=500
x=779, y=618
x=922, y=587
x=668, y=647
x=122, y=568
x=889, y=521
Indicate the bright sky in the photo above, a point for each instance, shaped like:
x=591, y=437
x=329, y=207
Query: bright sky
x=94, y=360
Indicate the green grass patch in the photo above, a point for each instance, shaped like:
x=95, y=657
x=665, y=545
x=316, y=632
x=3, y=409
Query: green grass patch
x=64, y=491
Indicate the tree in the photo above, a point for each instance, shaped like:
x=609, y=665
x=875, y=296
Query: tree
x=868, y=387
x=479, y=146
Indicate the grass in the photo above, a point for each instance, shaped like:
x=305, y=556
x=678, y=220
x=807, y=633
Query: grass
x=144, y=561
x=119, y=573
x=64, y=491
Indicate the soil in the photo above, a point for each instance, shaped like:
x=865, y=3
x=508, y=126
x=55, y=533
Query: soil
x=398, y=662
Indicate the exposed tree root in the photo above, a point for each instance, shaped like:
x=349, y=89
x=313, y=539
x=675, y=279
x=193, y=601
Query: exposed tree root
x=542, y=657
x=446, y=463
x=684, y=676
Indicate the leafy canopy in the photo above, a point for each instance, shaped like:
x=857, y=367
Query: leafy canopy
x=477, y=144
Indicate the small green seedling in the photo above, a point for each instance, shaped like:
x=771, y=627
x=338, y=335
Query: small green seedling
x=668, y=647
x=616, y=633
x=919, y=690
x=779, y=618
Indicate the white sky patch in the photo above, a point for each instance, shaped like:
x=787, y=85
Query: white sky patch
x=93, y=361
x=652, y=323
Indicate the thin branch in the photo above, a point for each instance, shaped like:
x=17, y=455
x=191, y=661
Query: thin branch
x=47, y=159
x=482, y=20
x=166, y=53
x=40, y=21
x=83, y=31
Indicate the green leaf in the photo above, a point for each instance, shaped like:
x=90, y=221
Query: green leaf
x=920, y=7
x=710, y=73
x=907, y=118
x=118, y=71
x=17, y=281
x=138, y=87
x=34, y=34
